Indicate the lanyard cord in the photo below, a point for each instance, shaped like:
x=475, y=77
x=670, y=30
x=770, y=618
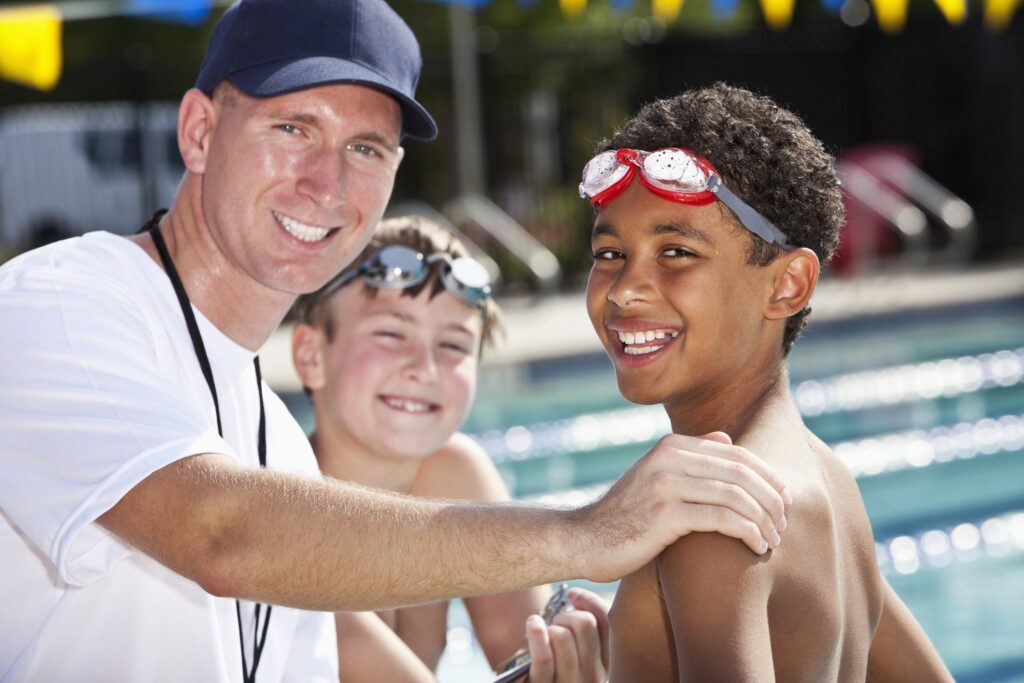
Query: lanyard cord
x=259, y=640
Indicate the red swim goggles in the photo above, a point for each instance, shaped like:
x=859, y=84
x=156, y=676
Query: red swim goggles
x=675, y=174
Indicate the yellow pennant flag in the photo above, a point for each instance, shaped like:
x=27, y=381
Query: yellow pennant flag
x=30, y=49
x=998, y=13
x=777, y=13
x=666, y=10
x=572, y=8
x=955, y=11
x=891, y=14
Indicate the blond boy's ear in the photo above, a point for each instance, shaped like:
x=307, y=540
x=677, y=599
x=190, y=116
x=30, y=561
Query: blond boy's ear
x=795, y=276
x=197, y=118
x=307, y=355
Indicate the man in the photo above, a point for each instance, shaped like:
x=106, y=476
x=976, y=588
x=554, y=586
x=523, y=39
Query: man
x=138, y=523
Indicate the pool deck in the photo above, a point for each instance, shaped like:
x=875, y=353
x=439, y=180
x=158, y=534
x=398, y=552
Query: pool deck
x=556, y=326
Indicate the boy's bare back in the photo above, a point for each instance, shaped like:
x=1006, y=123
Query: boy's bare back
x=709, y=609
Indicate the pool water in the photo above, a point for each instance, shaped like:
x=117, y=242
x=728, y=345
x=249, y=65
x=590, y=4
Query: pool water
x=926, y=409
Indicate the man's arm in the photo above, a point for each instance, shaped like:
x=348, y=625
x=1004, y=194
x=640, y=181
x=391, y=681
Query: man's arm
x=331, y=546
x=900, y=651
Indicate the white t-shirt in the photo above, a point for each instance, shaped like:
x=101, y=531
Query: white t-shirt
x=99, y=387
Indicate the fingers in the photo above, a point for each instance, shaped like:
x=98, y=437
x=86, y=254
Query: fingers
x=720, y=437
x=733, y=497
x=542, y=659
x=583, y=600
x=726, y=522
x=734, y=465
x=574, y=648
x=755, y=463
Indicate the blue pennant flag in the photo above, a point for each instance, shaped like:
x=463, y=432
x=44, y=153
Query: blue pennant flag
x=724, y=8
x=464, y=3
x=833, y=6
x=184, y=11
x=623, y=4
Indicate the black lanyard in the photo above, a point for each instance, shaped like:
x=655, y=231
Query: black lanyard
x=153, y=226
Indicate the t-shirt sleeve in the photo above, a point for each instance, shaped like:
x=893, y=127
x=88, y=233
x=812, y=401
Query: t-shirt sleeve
x=88, y=409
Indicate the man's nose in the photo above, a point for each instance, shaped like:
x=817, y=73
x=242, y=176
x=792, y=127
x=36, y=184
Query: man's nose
x=323, y=179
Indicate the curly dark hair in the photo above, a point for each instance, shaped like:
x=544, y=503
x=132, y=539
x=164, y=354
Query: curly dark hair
x=765, y=154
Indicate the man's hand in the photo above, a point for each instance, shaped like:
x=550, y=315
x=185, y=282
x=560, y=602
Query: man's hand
x=681, y=485
x=574, y=649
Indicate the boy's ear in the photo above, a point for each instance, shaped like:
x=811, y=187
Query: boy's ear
x=197, y=117
x=307, y=355
x=795, y=275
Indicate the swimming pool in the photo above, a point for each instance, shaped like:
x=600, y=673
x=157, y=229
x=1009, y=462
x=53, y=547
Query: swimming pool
x=927, y=409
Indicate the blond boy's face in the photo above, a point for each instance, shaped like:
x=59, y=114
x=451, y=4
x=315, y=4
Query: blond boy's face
x=672, y=297
x=400, y=371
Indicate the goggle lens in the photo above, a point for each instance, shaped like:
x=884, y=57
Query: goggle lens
x=600, y=173
x=402, y=267
x=675, y=170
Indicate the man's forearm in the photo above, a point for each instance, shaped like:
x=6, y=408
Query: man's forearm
x=327, y=545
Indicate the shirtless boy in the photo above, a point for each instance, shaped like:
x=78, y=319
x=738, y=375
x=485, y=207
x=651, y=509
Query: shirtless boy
x=391, y=371
x=715, y=209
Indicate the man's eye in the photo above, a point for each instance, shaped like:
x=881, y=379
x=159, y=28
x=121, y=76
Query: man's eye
x=289, y=128
x=388, y=334
x=365, y=149
x=606, y=255
x=676, y=252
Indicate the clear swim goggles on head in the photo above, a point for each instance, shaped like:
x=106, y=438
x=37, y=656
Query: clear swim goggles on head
x=675, y=174
x=400, y=267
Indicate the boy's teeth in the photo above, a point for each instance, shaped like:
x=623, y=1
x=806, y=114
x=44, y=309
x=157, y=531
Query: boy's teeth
x=648, y=336
x=638, y=350
x=306, y=233
x=408, y=406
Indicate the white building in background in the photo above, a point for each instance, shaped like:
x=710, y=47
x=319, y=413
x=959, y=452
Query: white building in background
x=71, y=168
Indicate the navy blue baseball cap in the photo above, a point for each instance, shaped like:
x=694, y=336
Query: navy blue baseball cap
x=272, y=47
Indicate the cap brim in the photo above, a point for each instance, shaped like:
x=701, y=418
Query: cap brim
x=282, y=77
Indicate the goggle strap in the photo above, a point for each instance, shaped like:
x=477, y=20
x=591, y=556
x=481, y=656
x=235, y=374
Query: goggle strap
x=751, y=219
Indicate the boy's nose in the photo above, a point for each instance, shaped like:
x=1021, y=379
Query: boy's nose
x=421, y=366
x=629, y=288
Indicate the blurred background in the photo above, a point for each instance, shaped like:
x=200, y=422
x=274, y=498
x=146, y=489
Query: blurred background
x=913, y=368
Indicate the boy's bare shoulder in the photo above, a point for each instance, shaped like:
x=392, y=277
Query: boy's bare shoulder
x=460, y=469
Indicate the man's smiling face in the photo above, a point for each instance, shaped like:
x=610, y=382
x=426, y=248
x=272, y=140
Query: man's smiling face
x=293, y=185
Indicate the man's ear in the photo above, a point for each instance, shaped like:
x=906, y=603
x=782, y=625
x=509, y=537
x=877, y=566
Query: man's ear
x=197, y=117
x=795, y=275
x=307, y=355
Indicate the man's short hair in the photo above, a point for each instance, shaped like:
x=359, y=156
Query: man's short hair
x=765, y=154
x=415, y=232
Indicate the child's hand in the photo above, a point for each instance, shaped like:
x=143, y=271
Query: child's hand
x=574, y=649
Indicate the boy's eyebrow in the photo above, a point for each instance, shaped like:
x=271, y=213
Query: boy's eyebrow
x=407, y=318
x=682, y=230
x=460, y=328
x=605, y=230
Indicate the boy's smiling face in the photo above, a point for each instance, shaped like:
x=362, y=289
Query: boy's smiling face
x=678, y=308
x=397, y=377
